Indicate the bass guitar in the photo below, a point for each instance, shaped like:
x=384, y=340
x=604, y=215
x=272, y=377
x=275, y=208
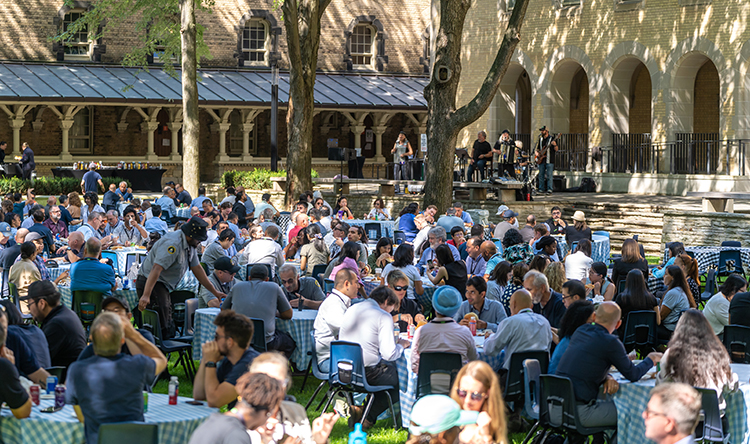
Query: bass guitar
x=541, y=155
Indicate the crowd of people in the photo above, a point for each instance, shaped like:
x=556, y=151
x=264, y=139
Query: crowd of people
x=510, y=282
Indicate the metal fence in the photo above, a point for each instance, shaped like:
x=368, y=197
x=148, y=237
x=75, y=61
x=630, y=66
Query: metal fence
x=573, y=152
x=695, y=153
x=631, y=153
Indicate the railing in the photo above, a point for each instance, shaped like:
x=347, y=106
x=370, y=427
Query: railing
x=696, y=153
x=573, y=152
x=631, y=153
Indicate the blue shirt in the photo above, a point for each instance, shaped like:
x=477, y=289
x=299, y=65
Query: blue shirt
x=249, y=206
x=91, y=181
x=184, y=197
x=167, y=206
x=428, y=255
x=448, y=222
x=65, y=215
x=591, y=352
x=126, y=375
x=126, y=196
x=466, y=217
x=198, y=202
x=26, y=362
x=34, y=337
x=492, y=312
x=156, y=225
x=492, y=263
x=88, y=231
x=554, y=361
x=49, y=241
x=110, y=199
x=88, y=274
x=228, y=372
x=89, y=350
x=659, y=272
x=406, y=224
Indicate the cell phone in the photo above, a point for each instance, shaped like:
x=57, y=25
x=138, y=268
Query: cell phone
x=50, y=409
x=194, y=402
x=339, y=412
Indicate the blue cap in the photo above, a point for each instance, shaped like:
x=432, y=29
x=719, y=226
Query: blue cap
x=446, y=300
x=5, y=229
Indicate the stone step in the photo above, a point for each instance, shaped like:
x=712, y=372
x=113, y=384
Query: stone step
x=646, y=223
x=614, y=212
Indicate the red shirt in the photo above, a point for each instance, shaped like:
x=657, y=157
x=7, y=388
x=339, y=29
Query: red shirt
x=293, y=233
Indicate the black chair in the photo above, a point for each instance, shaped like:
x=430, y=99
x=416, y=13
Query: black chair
x=733, y=256
x=640, y=332
x=531, y=372
x=259, y=336
x=327, y=286
x=709, y=289
x=57, y=371
x=128, y=433
x=169, y=346
x=372, y=229
x=736, y=244
x=558, y=411
x=514, y=390
x=191, y=305
x=316, y=371
x=87, y=305
x=317, y=273
x=250, y=266
x=442, y=365
x=399, y=237
x=621, y=286
x=178, y=298
x=736, y=340
x=710, y=429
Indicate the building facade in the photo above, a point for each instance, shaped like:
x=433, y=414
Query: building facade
x=649, y=96
x=86, y=117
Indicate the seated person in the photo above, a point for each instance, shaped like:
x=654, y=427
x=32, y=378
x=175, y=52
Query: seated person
x=222, y=279
x=88, y=274
x=120, y=307
x=60, y=324
x=490, y=312
x=408, y=312
x=672, y=413
x=331, y=313
x=11, y=390
x=224, y=360
x=443, y=334
x=74, y=250
x=25, y=360
x=155, y=224
x=130, y=231
x=32, y=335
x=300, y=290
x=547, y=302
x=578, y=313
x=93, y=403
x=524, y=330
x=262, y=300
x=25, y=272
x=573, y=291
x=592, y=351
x=254, y=390
x=436, y=237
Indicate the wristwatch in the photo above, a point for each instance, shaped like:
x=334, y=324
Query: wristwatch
x=210, y=364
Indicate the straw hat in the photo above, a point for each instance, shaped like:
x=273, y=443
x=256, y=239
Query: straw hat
x=578, y=216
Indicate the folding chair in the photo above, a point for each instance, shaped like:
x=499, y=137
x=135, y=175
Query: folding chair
x=169, y=346
x=709, y=289
x=57, y=371
x=531, y=372
x=178, y=298
x=372, y=229
x=514, y=386
x=436, y=365
x=712, y=430
x=621, y=286
x=726, y=256
x=259, y=336
x=730, y=243
x=191, y=305
x=128, y=433
x=736, y=340
x=318, y=270
x=399, y=237
x=87, y=305
x=640, y=331
x=316, y=371
x=327, y=286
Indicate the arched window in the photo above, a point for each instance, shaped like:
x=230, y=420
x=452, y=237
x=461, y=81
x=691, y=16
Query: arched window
x=365, y=44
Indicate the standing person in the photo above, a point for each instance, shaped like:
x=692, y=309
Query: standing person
x=3, y=147
x=401, y=151
x=480, y=153
x=505, y=150
x=547, y=165
x=672, y=414
x=166, y=263
x=27, y=161
x=92, y=181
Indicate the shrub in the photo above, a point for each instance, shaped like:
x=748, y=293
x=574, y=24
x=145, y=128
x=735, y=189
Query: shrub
x=53, y=186
x=258, y=179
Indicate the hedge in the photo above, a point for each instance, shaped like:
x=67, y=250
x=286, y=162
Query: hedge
x=53, y=186
x=258, y=179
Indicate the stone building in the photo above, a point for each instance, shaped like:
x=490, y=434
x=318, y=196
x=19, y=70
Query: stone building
x=660, y=87
x=67, y=100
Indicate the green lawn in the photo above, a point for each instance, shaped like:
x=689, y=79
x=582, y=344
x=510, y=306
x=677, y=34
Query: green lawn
x=382, y=433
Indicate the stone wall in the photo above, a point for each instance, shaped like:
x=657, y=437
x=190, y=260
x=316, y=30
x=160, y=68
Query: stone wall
x=705, y=228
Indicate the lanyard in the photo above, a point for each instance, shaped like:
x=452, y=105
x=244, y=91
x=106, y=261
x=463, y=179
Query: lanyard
x=474, y=263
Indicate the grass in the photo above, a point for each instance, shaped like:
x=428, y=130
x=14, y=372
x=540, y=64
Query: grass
x=653, y=260
x=382, y=433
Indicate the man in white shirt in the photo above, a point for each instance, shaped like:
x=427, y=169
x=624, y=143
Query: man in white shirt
x=331, y=313
x=369, y=323
x=265, y=250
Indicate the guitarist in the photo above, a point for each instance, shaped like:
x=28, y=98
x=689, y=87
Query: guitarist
x=546, y=148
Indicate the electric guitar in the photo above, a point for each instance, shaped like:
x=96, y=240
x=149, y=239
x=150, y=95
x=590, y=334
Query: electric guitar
x=541, y=155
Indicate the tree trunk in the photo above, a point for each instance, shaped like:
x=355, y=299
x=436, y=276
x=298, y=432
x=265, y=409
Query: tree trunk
x=444, y=120
x=302, y=24
x=190, y=127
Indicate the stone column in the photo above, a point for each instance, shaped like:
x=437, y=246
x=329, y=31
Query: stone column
x=16, y=124
x=417, y=144
x=175, y=127
x=65, y=126
x=149, y=128
x=358, y=130
x=379, y=148
x=246, y=129
x=222, y=128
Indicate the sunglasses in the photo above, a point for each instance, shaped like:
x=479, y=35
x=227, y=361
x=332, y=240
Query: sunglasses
x=400, y=288
x=475, y=396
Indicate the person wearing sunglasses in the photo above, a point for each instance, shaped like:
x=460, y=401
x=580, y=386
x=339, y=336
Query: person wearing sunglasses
x=259, y=399
x=477, y=389
x=408, y=312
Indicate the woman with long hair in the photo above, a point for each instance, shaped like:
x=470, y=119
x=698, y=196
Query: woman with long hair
x=579, y=230
x=539, y=263
x=74, y=205
x=379, y=211
x=636, y=297
x=579, y=313
x=292, y=249
x=555, y=273
x=403, y=260
x=695, y=356
x=599, y=284
x=348, y=258
x=515, y=250
x=499, y=278
x=315, y=252
x=690, y=269
x=631, y=259
x=382, y=254
x=477, y=388
x=450, y=271
x=675, y=249
x=676, y=301
x=357, y=235
x=516, y=283
x=342, y=211
x=578, y=263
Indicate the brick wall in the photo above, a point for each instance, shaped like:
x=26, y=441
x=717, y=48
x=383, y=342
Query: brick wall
x=579, y=116
x=706, y=100
x=640, y=112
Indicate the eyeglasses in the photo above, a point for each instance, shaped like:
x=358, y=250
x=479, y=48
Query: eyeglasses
x=400, y=288
x=475, y=396
x=649, y=413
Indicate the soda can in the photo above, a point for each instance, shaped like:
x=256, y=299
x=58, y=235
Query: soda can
x=473, y=327
x=411, y=330
x=51, y=384
x=34, y=391
x=145, y=401
x=59, y=397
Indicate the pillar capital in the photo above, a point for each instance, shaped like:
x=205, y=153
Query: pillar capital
x=66, y=124
x=379, y=129
x=16, y=123
x=149, y=126
x=174, y=126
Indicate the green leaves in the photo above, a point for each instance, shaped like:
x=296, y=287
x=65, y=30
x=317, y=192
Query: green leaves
x=258, y=179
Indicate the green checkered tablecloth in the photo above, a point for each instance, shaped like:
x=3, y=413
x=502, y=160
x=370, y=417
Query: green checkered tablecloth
x=299, y=327
x=176, y=423
x=129, y=295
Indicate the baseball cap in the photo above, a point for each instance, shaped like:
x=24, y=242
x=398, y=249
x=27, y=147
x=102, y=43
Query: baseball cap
x=116, y=298
x=225, y=264
x=5, y=229
x=32, y=236
x=501, y=209
x=446, y=300
x=437, y=413
x=507, y=214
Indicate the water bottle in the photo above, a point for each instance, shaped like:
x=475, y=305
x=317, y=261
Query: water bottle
x=358, y=436
x=174, y=389
x=45, y=256
x=396, y=331
x=125, y=283
x=118, y=283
